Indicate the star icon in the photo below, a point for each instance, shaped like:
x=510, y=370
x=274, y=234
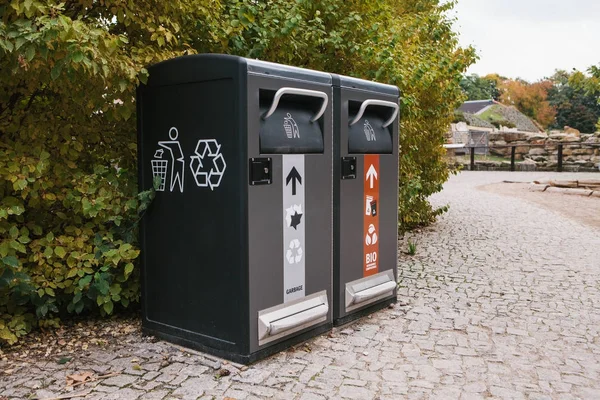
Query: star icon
x=296, y=220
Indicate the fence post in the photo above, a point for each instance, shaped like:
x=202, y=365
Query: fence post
x=472, y=158
x=512, y=158
x=559, y=167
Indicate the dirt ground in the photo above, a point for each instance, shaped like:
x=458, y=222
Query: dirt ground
x=585, y=210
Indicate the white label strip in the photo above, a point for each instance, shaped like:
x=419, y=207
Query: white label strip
x=294, y=220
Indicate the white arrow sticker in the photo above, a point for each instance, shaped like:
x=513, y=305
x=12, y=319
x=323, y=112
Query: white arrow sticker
x=371, y=174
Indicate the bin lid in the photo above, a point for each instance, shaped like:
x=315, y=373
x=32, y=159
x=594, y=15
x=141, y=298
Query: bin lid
x=286, y=71
x=349, y=82
x=192, y=68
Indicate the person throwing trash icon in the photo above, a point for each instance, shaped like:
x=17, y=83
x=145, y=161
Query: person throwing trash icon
x=176, y=164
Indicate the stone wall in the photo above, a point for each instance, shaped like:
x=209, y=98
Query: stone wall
x=544, y=156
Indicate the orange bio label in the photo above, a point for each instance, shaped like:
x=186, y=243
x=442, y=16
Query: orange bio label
x=370, y=212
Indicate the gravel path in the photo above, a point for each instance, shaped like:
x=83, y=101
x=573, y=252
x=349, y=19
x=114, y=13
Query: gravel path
x=502, y=300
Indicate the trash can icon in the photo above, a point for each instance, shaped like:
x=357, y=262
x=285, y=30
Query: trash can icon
x=236, y=246
x=159, y=169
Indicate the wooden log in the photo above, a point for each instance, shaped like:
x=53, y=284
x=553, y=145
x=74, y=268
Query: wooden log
x=564, y=184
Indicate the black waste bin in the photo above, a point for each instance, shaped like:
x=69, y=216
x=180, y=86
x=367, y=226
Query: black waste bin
x=236, y=246
x=365, y=196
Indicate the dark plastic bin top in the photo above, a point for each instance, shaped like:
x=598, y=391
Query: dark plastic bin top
x=200, y=67
x=361, y=84
x=286, y=71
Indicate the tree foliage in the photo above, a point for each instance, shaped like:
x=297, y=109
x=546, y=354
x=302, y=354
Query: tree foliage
x=480, y=88
x=410, y=44
x=588, y=85
x=68, y=196
x=68, y=193
x=529, y=98
x=575, y=107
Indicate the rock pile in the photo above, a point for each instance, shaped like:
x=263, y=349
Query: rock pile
x=542, y=151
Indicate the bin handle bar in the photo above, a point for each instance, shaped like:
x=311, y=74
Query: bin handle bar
x=373, y=102
x=300, y=92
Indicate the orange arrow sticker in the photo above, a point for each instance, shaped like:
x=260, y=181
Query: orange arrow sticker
x=371, y=215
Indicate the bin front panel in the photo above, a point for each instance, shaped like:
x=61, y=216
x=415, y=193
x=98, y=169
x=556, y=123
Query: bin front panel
x=367, y=206
x=289, y=220
x=193, y=233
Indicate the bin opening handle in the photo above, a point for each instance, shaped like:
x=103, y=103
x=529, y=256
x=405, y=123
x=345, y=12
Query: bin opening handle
x=299, y=92
x=373, y=102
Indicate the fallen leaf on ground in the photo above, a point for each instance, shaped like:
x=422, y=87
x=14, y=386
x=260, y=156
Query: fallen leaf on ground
x=77, y=379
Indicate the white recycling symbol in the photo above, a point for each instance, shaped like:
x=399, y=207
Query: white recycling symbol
x=208, y=150
x=294, y=253
x=371, y=237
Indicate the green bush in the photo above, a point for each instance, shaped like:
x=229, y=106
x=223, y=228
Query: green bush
x=498, y=123
x=69, y=203
x=459, y=116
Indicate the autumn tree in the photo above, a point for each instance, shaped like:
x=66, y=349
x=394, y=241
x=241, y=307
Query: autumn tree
x=529, y=98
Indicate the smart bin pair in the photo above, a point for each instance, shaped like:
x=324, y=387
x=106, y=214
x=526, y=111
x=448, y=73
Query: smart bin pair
x=275, y=214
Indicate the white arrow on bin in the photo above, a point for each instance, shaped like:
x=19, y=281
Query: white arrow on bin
x=371, y=174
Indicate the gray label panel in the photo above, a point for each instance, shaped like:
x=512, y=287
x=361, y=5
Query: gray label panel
x=294, y=221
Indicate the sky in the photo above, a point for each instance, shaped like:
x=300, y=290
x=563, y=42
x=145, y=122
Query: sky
x=529, y=39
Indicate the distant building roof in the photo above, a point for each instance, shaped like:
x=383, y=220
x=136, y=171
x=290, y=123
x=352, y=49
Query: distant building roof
x=475, y=106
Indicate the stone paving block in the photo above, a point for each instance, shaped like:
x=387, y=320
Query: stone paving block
x=501, y=300
x=124, y=394
x=120, y=380
x=355, y=393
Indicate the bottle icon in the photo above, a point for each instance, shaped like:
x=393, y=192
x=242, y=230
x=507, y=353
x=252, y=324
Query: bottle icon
x=369, y=132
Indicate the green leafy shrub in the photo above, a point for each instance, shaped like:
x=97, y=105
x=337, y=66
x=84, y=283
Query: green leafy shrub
x=69, y=205
x=498, y=123
x=459, y=116
x=410, y=44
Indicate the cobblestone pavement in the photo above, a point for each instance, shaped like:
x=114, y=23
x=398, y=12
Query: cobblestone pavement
x=502, y=300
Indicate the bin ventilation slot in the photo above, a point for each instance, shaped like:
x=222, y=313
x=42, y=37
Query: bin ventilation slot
x=291, y=317
x=368, y=290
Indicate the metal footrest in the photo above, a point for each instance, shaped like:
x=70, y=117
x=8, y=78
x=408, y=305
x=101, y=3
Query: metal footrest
x=369, y=290
x=287, y=318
